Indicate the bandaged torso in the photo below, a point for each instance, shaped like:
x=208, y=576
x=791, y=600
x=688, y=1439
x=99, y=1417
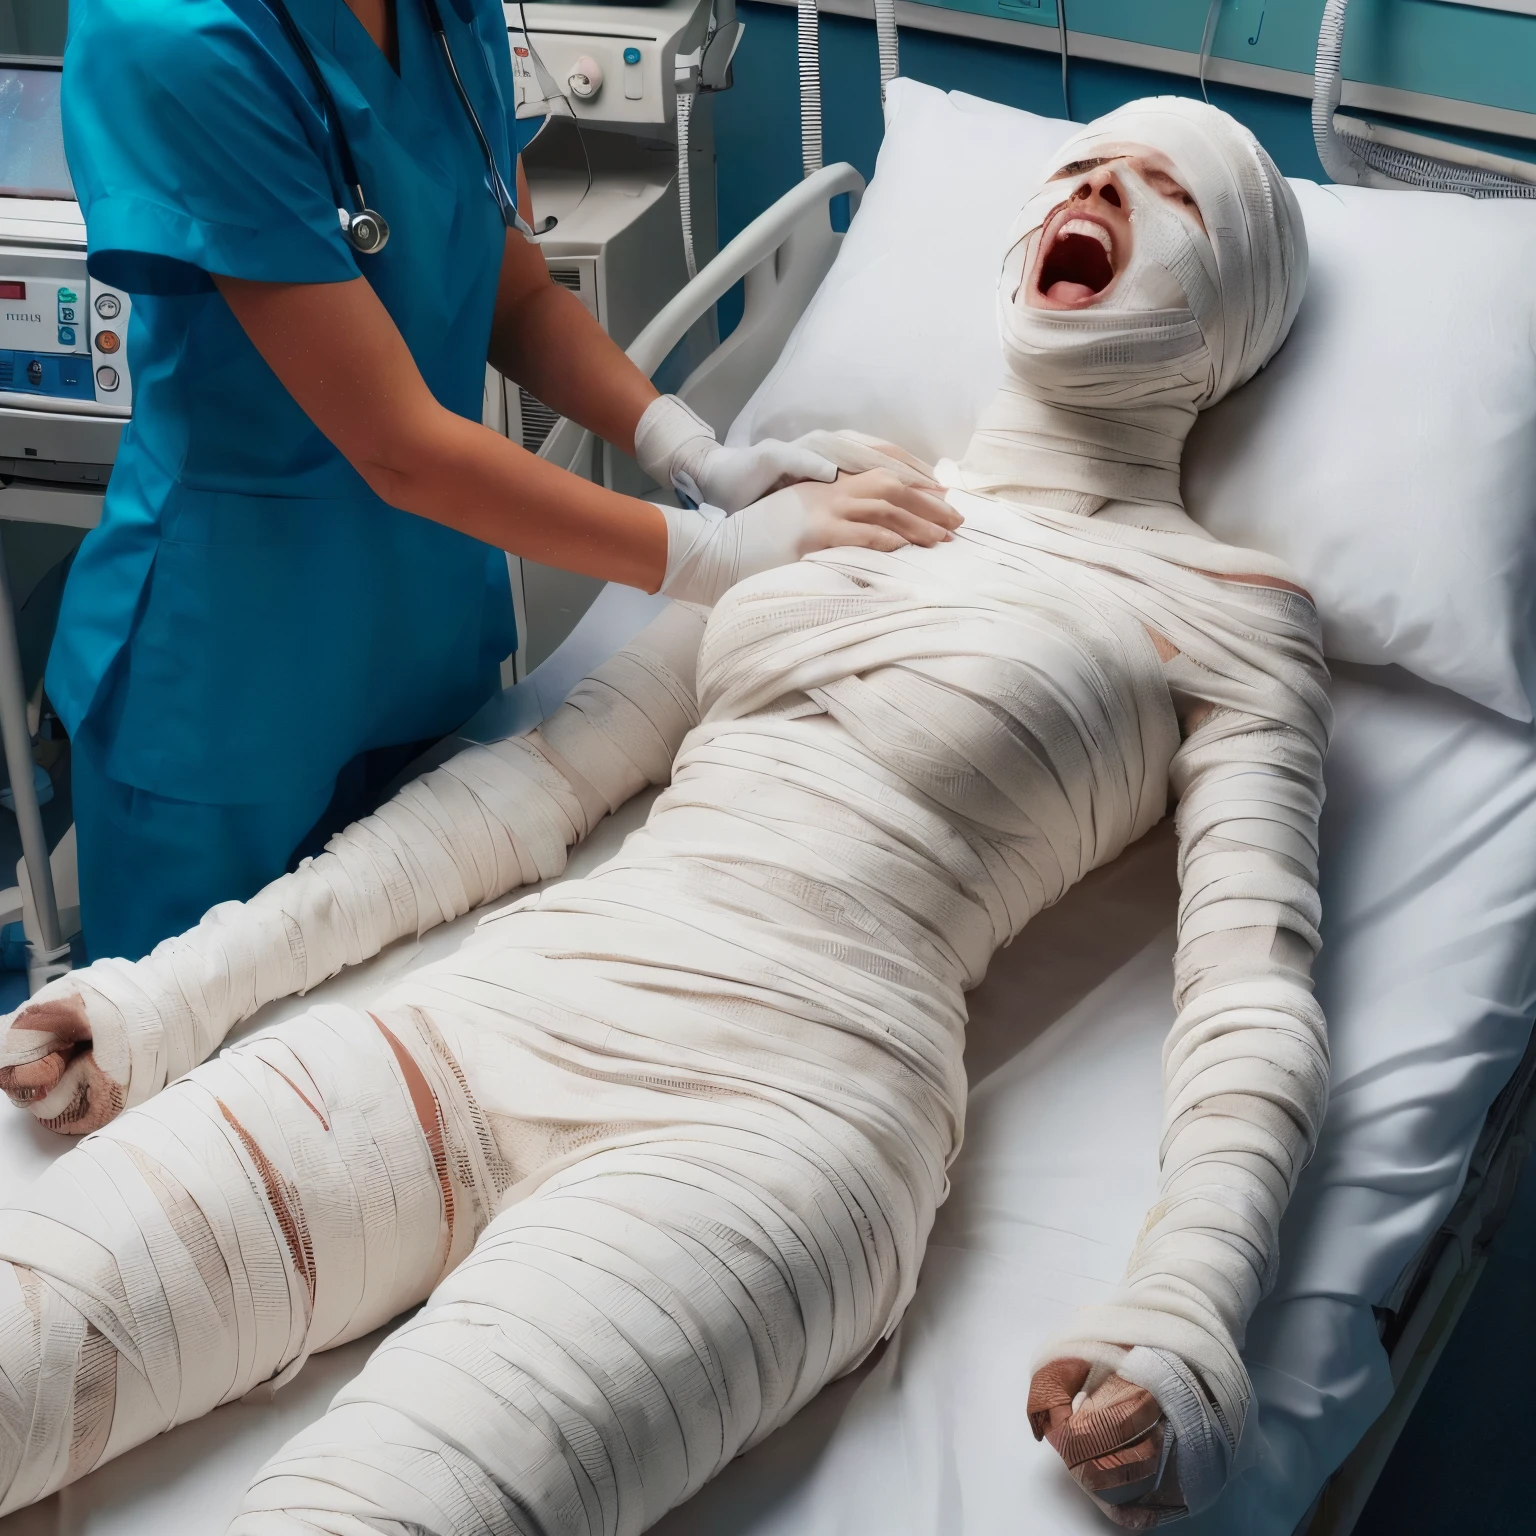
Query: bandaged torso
x=901, y=759
x=881, y=766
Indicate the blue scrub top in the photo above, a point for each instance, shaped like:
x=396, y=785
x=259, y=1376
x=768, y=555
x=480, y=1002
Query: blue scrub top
x=249, y=615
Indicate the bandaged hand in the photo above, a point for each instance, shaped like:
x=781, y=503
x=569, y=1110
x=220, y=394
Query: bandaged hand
x=48, y=1063
x=709, y=552
x=677, y=448
x=494, y=817
x=1113, y=1439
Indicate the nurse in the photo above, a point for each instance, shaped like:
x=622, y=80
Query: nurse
x=299, y=563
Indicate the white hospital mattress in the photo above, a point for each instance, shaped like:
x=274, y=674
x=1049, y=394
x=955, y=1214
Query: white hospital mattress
x=1429, y=978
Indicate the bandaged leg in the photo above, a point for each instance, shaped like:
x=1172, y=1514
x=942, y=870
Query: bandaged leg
x=610, y=1345
x=294, y=1194
x=492, y=818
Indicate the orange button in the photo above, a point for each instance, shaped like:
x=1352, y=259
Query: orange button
x=108, y=341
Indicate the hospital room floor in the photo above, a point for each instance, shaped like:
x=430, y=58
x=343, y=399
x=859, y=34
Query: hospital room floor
x=1463, y=1461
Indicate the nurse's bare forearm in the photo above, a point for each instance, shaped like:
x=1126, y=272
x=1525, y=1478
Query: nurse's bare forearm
x=457, y=472
x=559, y=353
x=340, y=355
x=543, y=337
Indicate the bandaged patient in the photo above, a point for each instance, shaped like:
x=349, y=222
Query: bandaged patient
x=661, y=1147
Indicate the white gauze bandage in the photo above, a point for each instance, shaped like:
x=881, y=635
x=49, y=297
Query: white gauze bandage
x=1096, y=403
x=725, y=1072
x=489, y=820
x=296, y=1193
x=1092, y=419
x=751, y=1019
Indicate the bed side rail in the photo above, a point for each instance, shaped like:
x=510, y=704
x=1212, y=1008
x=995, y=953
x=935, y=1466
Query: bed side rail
x=780, y=258
x=1416, y=1320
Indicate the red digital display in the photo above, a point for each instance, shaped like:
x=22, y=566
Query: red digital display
x=10, y=290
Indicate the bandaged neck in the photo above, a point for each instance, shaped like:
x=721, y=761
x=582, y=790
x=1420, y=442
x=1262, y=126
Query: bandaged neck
x=1098, y=400
x=1096, y=403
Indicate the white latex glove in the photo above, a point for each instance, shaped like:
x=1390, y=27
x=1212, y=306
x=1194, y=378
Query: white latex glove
x=676, y=447
x=708, y=552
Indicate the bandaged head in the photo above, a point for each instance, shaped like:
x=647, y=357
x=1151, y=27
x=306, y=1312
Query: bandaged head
x=1159, y=266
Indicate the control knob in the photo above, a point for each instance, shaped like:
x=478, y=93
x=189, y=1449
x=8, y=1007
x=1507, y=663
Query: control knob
x=586, y=78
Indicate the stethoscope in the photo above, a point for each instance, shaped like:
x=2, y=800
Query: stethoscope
x=366, y=229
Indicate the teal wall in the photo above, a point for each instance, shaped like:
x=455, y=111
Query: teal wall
x=1415, y=45
x=34, y=27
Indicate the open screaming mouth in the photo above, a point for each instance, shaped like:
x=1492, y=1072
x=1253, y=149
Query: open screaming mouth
x=1079, y=263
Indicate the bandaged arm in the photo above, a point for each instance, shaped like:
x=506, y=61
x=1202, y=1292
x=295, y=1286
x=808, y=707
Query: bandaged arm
x=1245, y=1067
x=490, y=819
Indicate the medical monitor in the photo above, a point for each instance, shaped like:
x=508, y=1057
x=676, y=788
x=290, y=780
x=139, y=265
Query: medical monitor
x=31, y=132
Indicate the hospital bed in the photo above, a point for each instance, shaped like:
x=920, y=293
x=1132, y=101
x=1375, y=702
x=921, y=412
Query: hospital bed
x=1429, y=979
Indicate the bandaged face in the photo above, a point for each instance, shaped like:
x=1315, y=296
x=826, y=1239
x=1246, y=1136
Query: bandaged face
x=1161, y=262
x=1087, y=252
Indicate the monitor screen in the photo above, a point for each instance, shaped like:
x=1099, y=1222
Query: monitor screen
x=31, y=134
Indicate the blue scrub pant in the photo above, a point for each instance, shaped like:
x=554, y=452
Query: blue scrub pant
x=151, y=866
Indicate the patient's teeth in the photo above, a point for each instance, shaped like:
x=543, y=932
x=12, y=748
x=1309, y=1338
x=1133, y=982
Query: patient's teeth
x=1087, y=227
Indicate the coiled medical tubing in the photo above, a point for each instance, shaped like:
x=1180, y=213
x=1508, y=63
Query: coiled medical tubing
x=705, y=67
x=1366, y=154
x=808, y=46
x=685, y=180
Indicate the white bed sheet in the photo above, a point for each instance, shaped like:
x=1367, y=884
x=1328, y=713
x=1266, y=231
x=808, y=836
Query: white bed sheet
x=1429, y=977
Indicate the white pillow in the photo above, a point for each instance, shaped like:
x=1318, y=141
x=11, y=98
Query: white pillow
x=1388, y=453
x=901, y=338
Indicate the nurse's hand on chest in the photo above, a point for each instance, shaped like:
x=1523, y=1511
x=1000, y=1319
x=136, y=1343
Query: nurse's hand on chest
x=338, y=352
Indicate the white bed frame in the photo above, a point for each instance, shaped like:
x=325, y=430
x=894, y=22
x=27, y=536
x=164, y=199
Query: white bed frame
x=781, y=259
x=1419, y=1315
